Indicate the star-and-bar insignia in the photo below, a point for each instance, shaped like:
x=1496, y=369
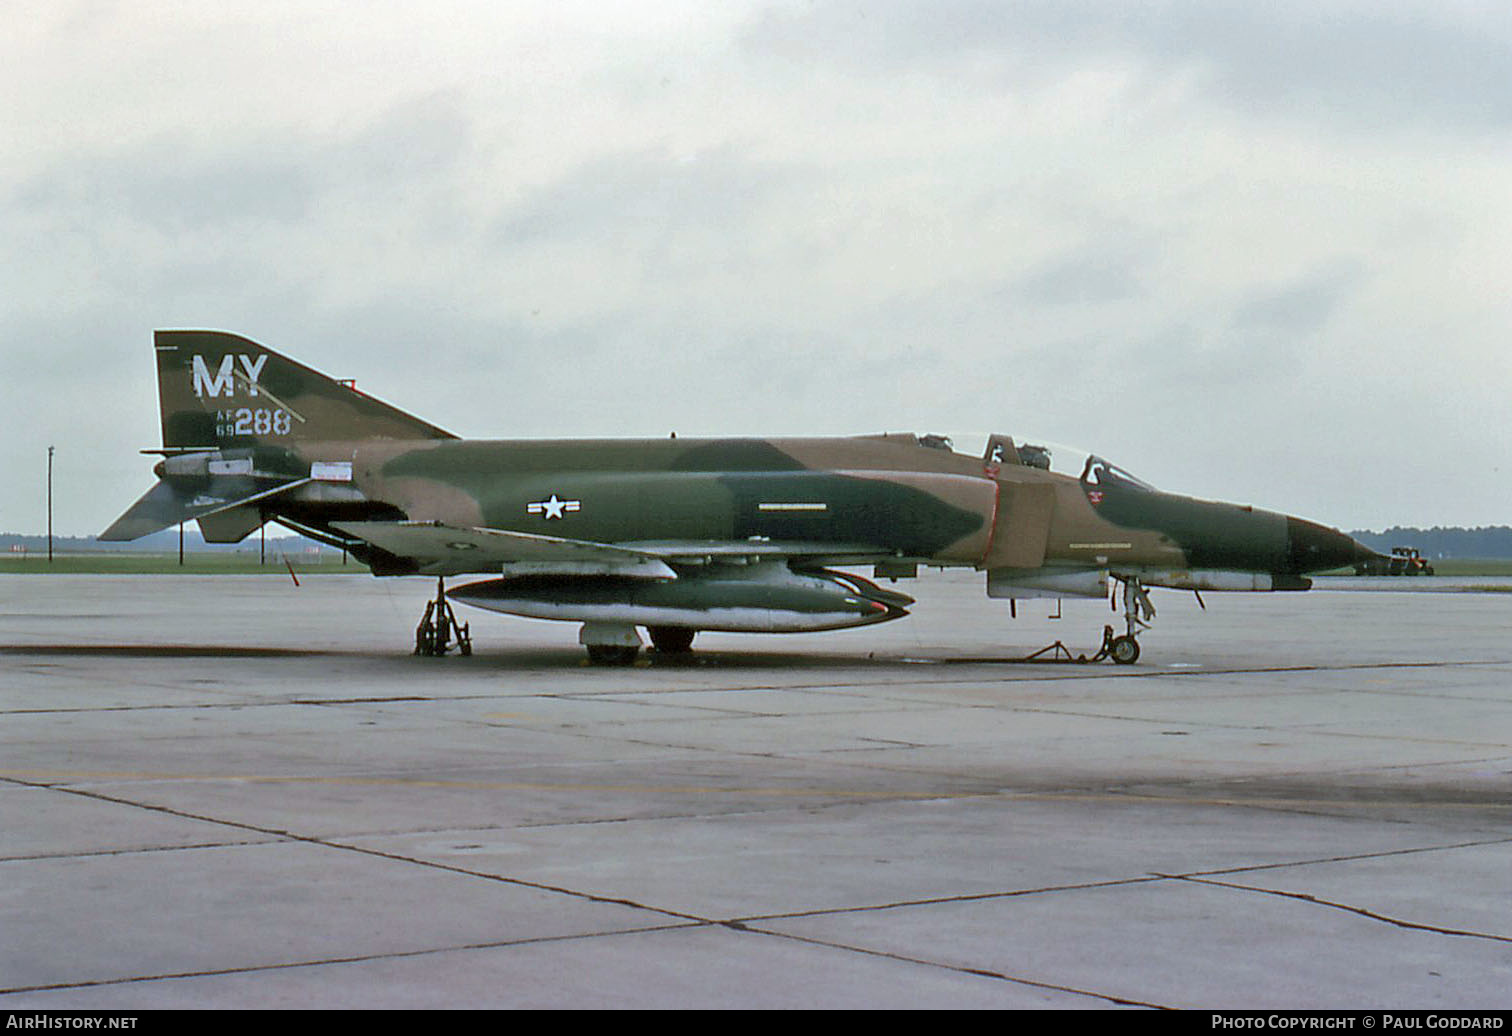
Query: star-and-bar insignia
x=553, y=507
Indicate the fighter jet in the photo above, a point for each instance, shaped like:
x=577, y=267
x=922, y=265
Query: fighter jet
x=678, y=535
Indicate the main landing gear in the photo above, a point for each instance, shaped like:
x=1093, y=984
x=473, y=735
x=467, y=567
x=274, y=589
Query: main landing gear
x=672, y=640
x=607, y=643
x=613, y=643
x=433, y=636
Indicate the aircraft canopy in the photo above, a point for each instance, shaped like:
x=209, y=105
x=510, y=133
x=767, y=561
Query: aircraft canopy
x=1037, y=453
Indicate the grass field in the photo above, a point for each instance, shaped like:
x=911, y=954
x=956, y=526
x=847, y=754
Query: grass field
x=1472, y=567
x=1450, y=567
x=168, y=564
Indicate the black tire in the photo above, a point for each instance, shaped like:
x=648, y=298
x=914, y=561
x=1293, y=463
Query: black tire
x=672, y=640
x=611, y=654
x=1124, y=650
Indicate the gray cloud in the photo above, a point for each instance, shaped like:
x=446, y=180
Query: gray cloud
x=1370, y=66
x=648, y=194
x=1303, y=305
x=1084, y=278
x=188, y=183
x=167, y=187
x=430, y=134
x=1148, y=228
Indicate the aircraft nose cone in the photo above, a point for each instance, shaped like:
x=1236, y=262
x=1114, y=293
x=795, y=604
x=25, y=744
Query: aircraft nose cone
x=1317, y=548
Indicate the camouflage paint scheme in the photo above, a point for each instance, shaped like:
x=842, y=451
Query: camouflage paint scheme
x=673, y=534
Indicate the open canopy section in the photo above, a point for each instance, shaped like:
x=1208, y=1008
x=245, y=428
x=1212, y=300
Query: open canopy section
x=1003, y=450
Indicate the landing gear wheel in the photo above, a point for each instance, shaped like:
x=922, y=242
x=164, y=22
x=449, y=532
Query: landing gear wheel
x=1124, y=650
x=610, y=643
x=611, y=654
x=672, y=640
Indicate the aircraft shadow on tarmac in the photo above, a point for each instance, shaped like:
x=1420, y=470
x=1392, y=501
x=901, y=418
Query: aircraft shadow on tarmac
x=558, y=658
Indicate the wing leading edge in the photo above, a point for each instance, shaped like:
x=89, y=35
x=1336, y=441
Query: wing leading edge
x=443, y=550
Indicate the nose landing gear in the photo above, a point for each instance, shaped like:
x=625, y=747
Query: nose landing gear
x=1138, y=611
x=1122, y=649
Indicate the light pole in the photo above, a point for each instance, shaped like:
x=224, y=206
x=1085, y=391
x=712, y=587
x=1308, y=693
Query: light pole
x=49, y=505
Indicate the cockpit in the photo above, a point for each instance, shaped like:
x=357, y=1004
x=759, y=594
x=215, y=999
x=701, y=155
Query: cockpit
x=999, y=451
x=1098, y=472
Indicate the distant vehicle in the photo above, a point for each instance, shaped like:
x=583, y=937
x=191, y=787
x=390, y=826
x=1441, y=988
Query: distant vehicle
x=1403, y=561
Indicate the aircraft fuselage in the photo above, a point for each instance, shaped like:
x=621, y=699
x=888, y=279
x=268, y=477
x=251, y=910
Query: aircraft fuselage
x=676, y=534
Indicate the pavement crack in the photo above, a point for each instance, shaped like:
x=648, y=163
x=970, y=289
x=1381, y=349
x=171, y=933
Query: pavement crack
x=365, y=851
x=349, y=959
x=131, y=851
x=1343, y=858
x=1345, y=907
x=960, y=969
x=965, y=897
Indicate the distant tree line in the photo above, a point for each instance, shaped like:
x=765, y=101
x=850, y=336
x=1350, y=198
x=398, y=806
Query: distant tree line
x=1492, y=541
x=165, y=542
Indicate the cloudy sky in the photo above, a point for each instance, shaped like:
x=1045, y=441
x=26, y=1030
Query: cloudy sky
x=1256, y=252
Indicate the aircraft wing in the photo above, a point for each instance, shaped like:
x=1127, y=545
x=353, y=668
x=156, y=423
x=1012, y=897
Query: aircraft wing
x=441, y=549
x=452, y=550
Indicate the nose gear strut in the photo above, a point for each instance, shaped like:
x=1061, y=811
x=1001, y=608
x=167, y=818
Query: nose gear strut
x=1123, y=649
x=1138, y=611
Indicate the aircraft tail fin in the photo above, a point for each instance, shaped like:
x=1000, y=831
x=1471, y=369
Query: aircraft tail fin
x=219, y=390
